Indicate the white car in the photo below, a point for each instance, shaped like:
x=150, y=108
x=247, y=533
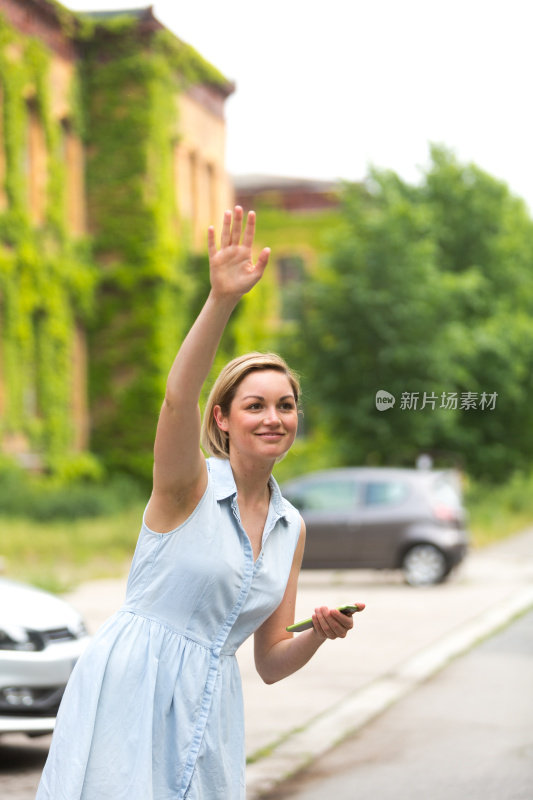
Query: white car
x=41, y=638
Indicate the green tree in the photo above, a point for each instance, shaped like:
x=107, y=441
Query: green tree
x=485, y=235
x=427, y=292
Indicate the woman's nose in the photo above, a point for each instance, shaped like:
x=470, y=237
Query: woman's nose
x=272, y=416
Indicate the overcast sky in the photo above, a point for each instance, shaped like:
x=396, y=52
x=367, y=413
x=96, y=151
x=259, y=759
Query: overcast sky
x=326, y=87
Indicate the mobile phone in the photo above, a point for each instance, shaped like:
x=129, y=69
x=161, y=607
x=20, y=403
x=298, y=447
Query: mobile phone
x=305, y=624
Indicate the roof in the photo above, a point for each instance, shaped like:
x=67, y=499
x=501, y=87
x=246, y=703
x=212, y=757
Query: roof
x=260, y=182
x=117, y=12
x=148, y=23
x=145, y=16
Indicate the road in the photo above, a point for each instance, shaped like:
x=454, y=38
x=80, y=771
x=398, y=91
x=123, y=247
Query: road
x=466, y=734
x=379, y=663
x=21, y=764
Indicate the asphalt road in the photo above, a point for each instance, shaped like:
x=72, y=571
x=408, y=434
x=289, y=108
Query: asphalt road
x=21, y=763
x=465, y=734
x=398, y=631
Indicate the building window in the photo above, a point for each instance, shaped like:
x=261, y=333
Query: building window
x=3, y=194
x=79, y=407
x=36, y=167
x=191, y=186
x=211, y=195
x=290, y=273
x=2, y=376
x=31, y=400
x=186, y=183
x=73, y=158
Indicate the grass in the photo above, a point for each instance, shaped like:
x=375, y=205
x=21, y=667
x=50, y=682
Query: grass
x=496, y=512
x=61, y=554
x=58, y=555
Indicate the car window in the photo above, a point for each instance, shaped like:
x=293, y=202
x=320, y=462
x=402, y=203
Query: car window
x=380, y=493
x=339, y=495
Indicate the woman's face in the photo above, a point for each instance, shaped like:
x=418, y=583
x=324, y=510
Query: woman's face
x=263, y=416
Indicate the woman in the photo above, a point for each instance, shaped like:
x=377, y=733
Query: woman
x=153, y=710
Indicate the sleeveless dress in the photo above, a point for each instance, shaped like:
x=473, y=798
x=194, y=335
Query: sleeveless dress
x=153, y=709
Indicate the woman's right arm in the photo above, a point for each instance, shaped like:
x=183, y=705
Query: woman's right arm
x=180, y=474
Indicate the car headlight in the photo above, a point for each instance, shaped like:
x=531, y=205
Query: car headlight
x=79, y=630
x=13, y=637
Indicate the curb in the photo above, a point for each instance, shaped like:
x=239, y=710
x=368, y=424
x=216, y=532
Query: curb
x=302, y=746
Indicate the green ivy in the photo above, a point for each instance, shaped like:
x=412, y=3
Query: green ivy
x=47, y=277
x=146, y=288
x=134, y=282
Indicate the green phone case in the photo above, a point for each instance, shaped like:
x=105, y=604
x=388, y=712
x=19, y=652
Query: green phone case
x=305, y=624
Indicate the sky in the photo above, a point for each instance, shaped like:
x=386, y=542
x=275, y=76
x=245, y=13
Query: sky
x=328, y=88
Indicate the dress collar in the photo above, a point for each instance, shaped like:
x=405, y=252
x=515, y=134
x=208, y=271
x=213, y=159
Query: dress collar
x=224, y=484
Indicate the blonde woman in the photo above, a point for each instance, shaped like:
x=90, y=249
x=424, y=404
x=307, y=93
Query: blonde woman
x=153, y=710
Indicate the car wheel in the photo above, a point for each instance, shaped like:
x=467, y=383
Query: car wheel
x=424, y=564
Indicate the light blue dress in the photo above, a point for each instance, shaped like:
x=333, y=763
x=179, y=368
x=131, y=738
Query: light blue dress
x=153, y=709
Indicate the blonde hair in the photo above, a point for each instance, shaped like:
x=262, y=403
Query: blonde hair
x=214, y=441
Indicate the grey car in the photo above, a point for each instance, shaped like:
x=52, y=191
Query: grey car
x=41, y=638
x=382, y=518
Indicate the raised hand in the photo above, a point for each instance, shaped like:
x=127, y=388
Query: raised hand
x=231, y=268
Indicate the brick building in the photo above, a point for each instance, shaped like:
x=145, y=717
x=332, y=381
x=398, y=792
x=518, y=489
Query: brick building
x=296, y=218
x=112, y=139
x=298, y=195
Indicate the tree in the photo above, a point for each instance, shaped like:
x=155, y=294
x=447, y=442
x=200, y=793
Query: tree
x=427, y=294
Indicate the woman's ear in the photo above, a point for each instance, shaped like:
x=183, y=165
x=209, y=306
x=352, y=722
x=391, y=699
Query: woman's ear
x=220, y=419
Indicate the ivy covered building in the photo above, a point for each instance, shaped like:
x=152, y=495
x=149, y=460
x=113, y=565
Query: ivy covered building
x=112, y=141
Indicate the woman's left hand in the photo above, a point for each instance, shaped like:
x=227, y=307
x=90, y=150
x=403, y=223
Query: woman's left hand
x=330, y=623
x=231, y=268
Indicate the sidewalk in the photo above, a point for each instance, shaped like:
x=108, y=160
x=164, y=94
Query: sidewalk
x=403, y=636
x=465, y=733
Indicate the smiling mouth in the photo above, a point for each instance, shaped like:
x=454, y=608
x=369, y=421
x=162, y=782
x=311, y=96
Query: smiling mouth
x=271, y=435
